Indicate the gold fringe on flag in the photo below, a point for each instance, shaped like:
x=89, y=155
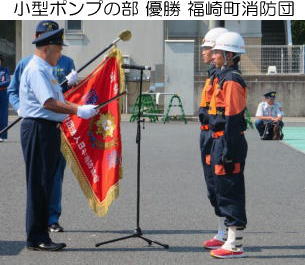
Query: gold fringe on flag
x=99, y=207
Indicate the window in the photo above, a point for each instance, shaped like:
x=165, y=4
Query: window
x=74, y=25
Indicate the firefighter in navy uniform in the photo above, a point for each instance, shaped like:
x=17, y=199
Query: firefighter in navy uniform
x=205, y=135
x=229, y=149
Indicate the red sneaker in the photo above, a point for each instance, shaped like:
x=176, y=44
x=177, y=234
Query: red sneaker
x=227, y=254
x=213, y=243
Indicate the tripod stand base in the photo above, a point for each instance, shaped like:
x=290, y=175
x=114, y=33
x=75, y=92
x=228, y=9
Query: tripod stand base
x=138, y=233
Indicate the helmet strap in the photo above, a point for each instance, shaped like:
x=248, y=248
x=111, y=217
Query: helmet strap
x=236, y=55
x=226, y=61
x=225, y=58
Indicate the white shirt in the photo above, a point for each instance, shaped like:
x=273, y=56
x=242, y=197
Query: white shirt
x=264, y=109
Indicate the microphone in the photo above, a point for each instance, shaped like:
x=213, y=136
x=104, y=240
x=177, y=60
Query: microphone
x=136, y=67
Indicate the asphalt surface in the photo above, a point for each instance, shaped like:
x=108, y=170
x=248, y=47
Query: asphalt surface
x=174, y=207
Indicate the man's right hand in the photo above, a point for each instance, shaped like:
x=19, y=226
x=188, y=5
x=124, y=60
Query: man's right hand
x=86, y=111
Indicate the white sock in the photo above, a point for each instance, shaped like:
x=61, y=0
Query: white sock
x=222, y=230
x=235, y=239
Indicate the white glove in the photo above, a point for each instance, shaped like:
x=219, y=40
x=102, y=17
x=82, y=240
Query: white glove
x=72, y=78
x=18, y=112
x=86, y=111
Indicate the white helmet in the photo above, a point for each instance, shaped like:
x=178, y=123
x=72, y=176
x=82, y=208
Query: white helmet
x=211, y=36
x=230, y=42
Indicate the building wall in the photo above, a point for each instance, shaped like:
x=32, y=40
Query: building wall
x=8, y=43
x=247, y=28
x=146, y=46
x=184, y=29
x=290, y=91
x=179, y=73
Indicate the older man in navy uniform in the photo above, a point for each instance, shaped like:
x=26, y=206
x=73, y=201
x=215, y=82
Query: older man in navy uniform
x=43, y=107
x=64, y=69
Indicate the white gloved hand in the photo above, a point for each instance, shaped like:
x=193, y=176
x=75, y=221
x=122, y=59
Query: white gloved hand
x=18, y=112
x=72, y=78
x=86, y=111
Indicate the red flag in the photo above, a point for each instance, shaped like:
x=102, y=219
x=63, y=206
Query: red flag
x=93, y=147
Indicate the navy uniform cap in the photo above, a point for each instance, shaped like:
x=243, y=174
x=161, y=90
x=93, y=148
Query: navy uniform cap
x=55, y=37
x=46, y=25
x=271, y=94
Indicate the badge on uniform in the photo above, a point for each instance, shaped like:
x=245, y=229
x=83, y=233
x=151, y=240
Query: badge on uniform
x=54, y=82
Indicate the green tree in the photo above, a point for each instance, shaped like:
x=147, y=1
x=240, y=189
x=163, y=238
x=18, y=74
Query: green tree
x=298, y=32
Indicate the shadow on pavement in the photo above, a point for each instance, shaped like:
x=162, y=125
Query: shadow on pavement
x=148, y=232
x=182, y=249
x=196, y=249
x=262, y=248
x=11, y=248
x=278, y=257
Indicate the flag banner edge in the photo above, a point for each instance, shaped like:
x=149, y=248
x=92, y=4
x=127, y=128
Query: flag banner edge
x=99, y=207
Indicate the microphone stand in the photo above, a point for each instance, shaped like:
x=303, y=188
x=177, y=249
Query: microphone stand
x=138, y=231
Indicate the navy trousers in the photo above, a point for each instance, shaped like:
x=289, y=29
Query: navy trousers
x=261, y=124
x=3, y=112
x=230, y=188
x=205, y=149
x=55, y=201
x=40, y=141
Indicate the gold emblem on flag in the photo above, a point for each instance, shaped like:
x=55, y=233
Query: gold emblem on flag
x=105, y=125
x=101, y=131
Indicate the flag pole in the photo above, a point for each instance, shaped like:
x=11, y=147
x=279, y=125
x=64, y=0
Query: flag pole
x=11, y=125
x=103, y=104
x=124, y=36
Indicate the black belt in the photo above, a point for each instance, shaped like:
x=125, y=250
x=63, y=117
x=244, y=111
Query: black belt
x=220, y=110
x=49, y=122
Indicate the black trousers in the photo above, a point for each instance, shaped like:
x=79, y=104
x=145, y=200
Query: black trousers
x=230, y=188
x=261, y=124
x=40, y=140
x=205, y=149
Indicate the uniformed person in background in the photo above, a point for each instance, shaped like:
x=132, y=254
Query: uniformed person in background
x=64, y=69
x=269, y=116
x=205, y=135
x=43, y=107
x=4, y=82
x=229, y=149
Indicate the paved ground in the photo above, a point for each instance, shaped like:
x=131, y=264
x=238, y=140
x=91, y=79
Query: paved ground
x=295, y=137
x=174, y=207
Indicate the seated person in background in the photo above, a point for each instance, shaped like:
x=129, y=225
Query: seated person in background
x=269, y=118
